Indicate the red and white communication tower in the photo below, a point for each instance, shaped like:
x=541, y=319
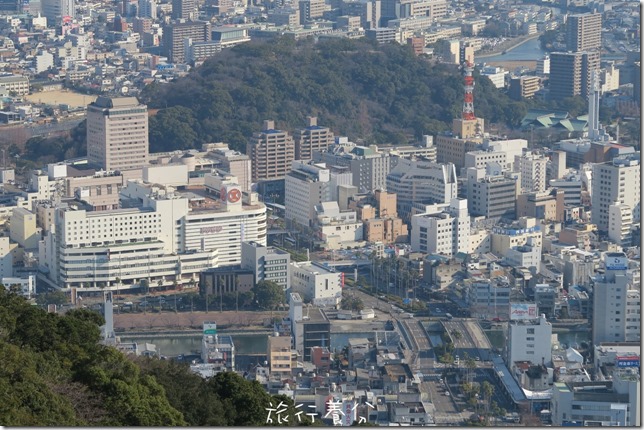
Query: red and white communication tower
x=468, y=101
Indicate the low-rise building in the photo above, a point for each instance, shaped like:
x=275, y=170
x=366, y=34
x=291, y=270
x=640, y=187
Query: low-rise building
x=316, y=283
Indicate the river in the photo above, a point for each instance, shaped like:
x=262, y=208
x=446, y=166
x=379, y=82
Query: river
x=528, y=51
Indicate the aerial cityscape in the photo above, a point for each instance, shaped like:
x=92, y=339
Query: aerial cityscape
x=320, y=213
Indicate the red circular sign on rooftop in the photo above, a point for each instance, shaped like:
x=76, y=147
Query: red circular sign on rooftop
x=234, y=195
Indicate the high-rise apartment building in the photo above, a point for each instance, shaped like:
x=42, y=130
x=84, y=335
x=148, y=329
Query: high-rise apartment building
x=570, y=73
x=174, y=45
x=117, y=133
x=311, y=9
x=54, y=10
x=147, y=9
x=584, y=32
x=616, y=304
x=184, y=9
x=616, y=181
x=312, y=138
x=533, y=171
x=271, y=153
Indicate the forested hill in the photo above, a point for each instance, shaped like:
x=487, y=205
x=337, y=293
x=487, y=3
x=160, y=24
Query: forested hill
x=55, y=373
x=359, y=89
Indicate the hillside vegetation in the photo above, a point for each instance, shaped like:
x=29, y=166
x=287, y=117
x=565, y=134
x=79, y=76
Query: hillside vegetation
x=55, y=373
x=359, y=89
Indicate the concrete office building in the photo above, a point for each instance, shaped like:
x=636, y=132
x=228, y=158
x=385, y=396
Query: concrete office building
x=271, y=153
x=184, y=9
x=616, y=304
x=446, y=232
x=530, y=340
x=543, y=66
x=369, y=167
x=616, y=181
x=306, y=185
x=599, y=403
x=532, y=167
x=584, y=32
x=267, y=263
x=164, y=235
x=175, y=33
x=419, y=181
x=496, y=75
x=284, y=16
x=23, y=228
x=546, y=205
x=117, y=133
x=233, y=162
x=479, y=159
x=524, y=87
x=147, y=9
x=316, y=283
x=14, y=83
x=572, y=187
x=311, y=10
x=570, y=73
x=55, y=10
x=312, y=138
x=367, y=10
x=491, y=193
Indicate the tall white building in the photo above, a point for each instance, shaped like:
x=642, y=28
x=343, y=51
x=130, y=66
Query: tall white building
x=446, y=232
x=617, y=180
x=616, y=304
x=533, y=171
x=495, y=74
x=419, y=181
x=165, y=236
x=530, y=340
x=233, y=162
x=44, y=61
x=117, y=133
x=620, y=222
x=306, y=185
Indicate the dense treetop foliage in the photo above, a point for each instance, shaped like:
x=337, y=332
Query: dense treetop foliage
x=381, y=93
x=56, y=373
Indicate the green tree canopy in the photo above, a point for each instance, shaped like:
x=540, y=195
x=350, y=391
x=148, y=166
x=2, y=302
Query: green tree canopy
x=268, y=295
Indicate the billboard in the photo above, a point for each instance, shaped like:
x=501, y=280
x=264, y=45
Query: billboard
x=616, y=261
x=627, y=361
x=523, y=311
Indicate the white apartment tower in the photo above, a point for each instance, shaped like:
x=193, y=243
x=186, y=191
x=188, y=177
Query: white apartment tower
x=306, y=185
x=616, y=304
x=446, y=232
x=533, y=171
x=117, y=133
x=620, y=222
x=615, y=181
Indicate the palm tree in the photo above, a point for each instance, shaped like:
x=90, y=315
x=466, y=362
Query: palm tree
x=487, y=390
